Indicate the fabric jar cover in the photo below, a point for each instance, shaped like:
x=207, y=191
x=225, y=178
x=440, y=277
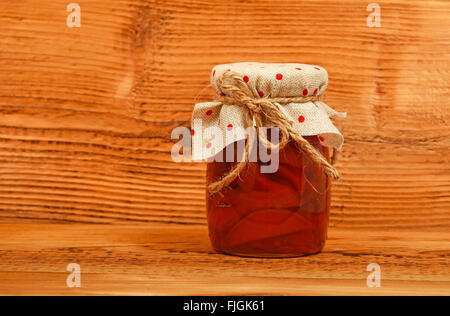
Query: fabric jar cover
x=216, y=125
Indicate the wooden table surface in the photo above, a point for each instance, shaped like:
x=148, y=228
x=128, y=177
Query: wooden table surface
x=86, y=116
x=173, y=259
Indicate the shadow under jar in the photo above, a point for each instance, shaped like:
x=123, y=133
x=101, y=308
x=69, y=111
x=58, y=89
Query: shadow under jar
x=281, y=214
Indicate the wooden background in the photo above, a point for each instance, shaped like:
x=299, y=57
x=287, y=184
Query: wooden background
x=86, y=115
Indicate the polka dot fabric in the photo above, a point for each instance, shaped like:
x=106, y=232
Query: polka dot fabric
x=223, y=124
x=277, y=80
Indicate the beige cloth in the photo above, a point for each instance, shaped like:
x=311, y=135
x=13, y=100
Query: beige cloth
x=216, y=125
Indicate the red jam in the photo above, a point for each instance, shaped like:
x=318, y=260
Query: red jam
x=281, y=214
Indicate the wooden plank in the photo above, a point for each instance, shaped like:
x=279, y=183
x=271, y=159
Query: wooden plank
x=164, y=259
x=86, y=113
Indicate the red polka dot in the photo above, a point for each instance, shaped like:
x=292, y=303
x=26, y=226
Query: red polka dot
x=301, y=118
x=193, y=132
x=261, y=94
x=298, y=68
x=315, y=91
x=228, y=69
x=230, y=127
x=305, y=92
x=279, y=76
x=246, y=79
x=208, y=145
x=209, y=112
x=214, y=73
x=316, y=68
x=321, y=138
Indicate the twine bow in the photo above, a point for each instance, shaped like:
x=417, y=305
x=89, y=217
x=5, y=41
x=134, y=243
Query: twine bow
x=236, y=92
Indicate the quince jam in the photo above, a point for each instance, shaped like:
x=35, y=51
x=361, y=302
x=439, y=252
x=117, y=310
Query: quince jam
x=281, y=214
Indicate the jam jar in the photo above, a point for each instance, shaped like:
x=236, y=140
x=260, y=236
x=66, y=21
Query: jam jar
x=283, y=213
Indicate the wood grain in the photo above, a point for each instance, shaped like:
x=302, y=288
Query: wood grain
x=175, y=259
x=86, y=113
x=86, y=116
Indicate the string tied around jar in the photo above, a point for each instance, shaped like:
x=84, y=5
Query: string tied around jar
x=257, y=111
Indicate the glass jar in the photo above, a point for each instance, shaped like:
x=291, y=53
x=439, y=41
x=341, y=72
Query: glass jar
x=281, y=214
